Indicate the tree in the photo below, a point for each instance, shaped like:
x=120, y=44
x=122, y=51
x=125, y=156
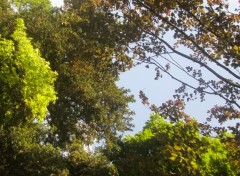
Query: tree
x=22, y=152
x=81, y=43
x=165, y=148
x=210, y=32
x=26, y=80
x=81, y=162
x=88, y=43
x=89, y=106
x=205, y=33
x=26, y=90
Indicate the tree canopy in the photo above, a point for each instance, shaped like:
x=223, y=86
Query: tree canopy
x=26, y=78
x=204, y=48
x=58, y=72
x=164, y=148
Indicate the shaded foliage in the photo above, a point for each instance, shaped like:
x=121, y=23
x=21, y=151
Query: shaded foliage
x=83, y=47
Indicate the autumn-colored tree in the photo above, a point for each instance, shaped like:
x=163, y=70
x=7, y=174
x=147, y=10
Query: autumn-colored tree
x=204, y=47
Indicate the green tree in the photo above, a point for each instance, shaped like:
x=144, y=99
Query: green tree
x=165, y=148
x=26, y=79
x=26, y=90
x=82, y=44
x=22, y=152
x=81, y=162
x=89, y=103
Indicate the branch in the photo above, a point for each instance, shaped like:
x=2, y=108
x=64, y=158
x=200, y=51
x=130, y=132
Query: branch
x=196, y=61
x=213, y=60
x=194, y=88
x=197, y=46
x=158, y=65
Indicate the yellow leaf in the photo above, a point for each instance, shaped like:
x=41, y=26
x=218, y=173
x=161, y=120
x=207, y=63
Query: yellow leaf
x=173, y=158
x=194, y=165
x=235, y=47
x=189, y=149
x=176, y=147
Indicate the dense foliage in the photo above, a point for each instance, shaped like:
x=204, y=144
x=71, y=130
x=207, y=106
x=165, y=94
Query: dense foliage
x=89, y=106
x=165, y=148
x=26, y=79
x=58, y=74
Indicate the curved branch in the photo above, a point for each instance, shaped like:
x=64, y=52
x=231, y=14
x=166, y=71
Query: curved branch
x=196, y=61
x=188, y=85
x=213, y=60
x=195, y=44
x=158, y=65
x=176, y=64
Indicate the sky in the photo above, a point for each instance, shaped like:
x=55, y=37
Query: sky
x=57, y=2
x=158, y=91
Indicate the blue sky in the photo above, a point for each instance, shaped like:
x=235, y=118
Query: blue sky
x=158, y=91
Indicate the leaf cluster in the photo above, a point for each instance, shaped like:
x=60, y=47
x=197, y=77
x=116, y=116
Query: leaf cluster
x=164, y=148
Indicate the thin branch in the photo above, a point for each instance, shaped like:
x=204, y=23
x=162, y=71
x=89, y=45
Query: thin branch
x=201, y=91
x=208, y=86
x=158, y=65
x=196, y=61
x=197, y=46
x=208, y=28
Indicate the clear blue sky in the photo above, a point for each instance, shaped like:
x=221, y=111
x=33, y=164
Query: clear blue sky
x=158, y=91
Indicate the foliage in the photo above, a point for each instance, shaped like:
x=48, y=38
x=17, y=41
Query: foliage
x=77, y=44
x=82, y=163
x=26, y=79
x=165, y=148
x=233, y=147
x=82, y=45
x=27, y=5
x=22, y=153
x=88, y=43
x=26, y=90
x=204, y=47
